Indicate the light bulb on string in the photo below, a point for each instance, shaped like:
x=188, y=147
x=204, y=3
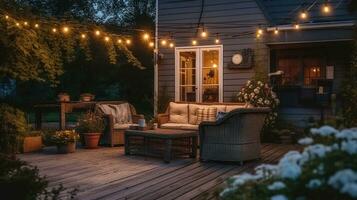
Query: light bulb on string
x=65, y=29
x=194, y=42
x=151, y=44
x=54, y=30
x=97, y=33
x=146, y=36
x=26, y=23
x=171, y=45
x=128, y=41
x=260, y=31
x=203, y=33
x=6, y=16
x=276, y=31
x=163, y=42
x=326, y=8
x=83, y=36
x=303, y=14
x=17, y=24
x=106, y=38
x=217, y=41
x=119, y=41
x=37, y=26
x=297, y=26
x=259, y=36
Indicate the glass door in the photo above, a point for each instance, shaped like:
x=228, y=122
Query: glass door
x=199, y=74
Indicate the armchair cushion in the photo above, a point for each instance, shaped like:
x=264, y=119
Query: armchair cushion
x=193, y=108
x=179, y=126
x=178, y=113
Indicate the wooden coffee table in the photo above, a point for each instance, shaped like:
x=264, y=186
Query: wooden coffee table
x=166, y=143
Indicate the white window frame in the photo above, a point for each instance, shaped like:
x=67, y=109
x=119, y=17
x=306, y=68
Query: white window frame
x=198, y=50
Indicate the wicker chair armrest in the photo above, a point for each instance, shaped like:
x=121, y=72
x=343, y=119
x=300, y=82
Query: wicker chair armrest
x=136, y=118
x=162, y=118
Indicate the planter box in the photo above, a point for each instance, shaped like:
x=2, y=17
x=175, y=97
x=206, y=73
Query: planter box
x=68, y=148
x=31, y=144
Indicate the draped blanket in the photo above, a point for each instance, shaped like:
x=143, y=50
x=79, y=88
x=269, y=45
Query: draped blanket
x=121, y=112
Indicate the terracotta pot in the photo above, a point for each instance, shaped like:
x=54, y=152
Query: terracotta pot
x=91, y=140
x=32, y=143
x=86, y=97
x=67, y=148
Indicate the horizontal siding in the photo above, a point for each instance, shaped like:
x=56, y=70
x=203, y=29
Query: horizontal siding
x=226, y=17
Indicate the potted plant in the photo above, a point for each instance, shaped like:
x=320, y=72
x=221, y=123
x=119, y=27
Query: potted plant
x=63, y=97
x=65, y=141
x=86, y=97
x=32, y=141
x=90, y=126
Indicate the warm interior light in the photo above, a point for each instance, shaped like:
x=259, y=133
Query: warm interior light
x=163, y=42
x=128, y=41
x=171, y=44
x=146, y=36
x=36, y=26
x=83, y=36
x=119, y=41
x=106, y=38
x=194, y=42
x=326, y=8
x=214, y=65
x=97, y=33
x=65, y=29
x=303, y=15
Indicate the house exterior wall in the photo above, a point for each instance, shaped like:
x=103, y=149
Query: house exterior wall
x=175, y=16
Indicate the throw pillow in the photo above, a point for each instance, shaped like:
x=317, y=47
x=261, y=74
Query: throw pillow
x=220, y=115
x=206, y=114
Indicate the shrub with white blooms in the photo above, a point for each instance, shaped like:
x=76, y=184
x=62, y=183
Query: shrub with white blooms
x=259, y=94
x=325, y=169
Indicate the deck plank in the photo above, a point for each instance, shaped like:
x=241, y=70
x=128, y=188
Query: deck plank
x=106, y=173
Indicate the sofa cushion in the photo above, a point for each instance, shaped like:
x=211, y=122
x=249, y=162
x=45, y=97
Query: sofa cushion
x=178, y=113
x=192, y=111
x=206, y=114
x=122, y=126
x=229, y=108
x=179, y=126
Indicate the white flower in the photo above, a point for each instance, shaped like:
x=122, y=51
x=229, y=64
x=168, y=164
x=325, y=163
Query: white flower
x=279, y=197
x=267, y=102
x=306, y=141
x=252, y=95
x=241, y=179
x=345, y=181
x=267, y=170
x=324, y=131
x=277, y=101
x=319, y=170
x=256, y=91
x=248, y=82
x=288, y=165
x=349, y=134
x=278, y=185
x=245, y=96
x=350, y=146
x=314, y=183
x=317, y=150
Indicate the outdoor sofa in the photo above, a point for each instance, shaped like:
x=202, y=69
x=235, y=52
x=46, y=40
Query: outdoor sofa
x=234, y=137
x=118, y=117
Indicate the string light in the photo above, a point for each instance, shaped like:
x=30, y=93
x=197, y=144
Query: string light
x=326, y=8
x=276, y=31
x=217, y=41
x=163, y=42
x=65, y=29
x=297, y=26
x=171, y=45
x=106, y=38
x=17, y=24
x=36, y=25
x=54, y=30
x=203, y=33
x=119, y=41
x=83, y=36
x=6, y=16
x=26, y=23
x=128, y=41
x=194, y=42
x=303, y=14
x=97, y=33
x=259, y=36
x=151, y=44
x=146, y=36
x=260, y=31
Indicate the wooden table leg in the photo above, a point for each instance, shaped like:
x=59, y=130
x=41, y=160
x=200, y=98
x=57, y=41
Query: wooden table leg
x=168, y=149
x=126, y=144
x=62, y=116
x=38, y=119
x=194, y=147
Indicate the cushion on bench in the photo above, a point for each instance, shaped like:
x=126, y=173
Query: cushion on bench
x=178, y=113
x=179, y=126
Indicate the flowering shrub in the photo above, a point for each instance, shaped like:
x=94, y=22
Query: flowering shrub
x=90, y=123
x=325, y=169
x=259, y=94
x=65, y=137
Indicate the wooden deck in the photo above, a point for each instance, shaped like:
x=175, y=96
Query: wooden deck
x=106, y=173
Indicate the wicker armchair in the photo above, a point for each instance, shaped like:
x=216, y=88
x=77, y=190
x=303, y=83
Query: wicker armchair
x=235, y=137
x=114, y=135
